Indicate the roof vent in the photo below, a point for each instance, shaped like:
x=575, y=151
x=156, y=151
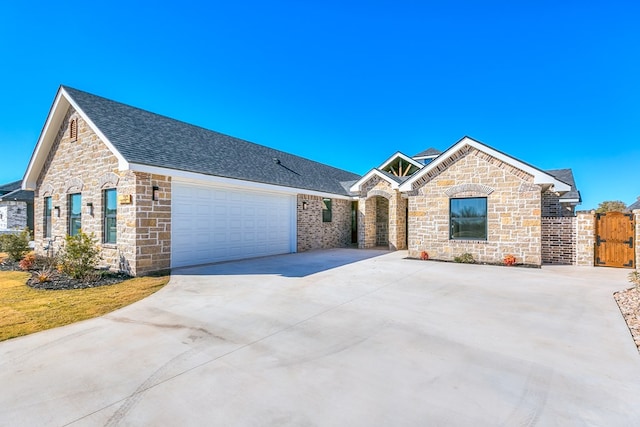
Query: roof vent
x=276, y=160
x=73, y=129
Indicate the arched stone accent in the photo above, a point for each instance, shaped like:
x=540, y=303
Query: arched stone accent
x=74, y=185
x=46, y=190
x=381, y=193
x=109, y=180
x=468, y=188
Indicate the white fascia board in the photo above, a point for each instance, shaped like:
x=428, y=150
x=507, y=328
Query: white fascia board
x=539, y=176
x=356, y=187
x=45, y=141
x=122, y=162
x=198, y=178
x=404, y=157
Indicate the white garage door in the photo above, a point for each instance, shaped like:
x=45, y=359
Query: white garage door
x=211, y=224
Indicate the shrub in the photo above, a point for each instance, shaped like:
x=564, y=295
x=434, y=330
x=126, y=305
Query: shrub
x=16, y=245
x=509, y=260
x=79, y=256
x=424, y=255
x=465, y=258
x=43, y=276
x=27, y=262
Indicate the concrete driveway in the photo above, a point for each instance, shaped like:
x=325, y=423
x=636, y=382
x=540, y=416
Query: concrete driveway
x=339, y=338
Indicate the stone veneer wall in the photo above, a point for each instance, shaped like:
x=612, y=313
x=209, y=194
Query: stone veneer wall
x=13, y=215
x=85, y=165
x=513, y=204
x=585, y=237
x=559, y=240
x=313, y=233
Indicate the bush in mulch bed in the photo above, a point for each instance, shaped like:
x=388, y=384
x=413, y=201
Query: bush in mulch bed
x=44, y=276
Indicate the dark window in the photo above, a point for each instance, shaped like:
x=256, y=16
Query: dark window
x=468, y=218
x=326, y=210
x=75, y=213
x=110, y=220
x=47, y=217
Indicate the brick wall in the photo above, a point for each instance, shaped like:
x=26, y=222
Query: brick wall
x=551, y=206
x=85, y=165
x=313, y=233
x=559, y=240
x=513, y=204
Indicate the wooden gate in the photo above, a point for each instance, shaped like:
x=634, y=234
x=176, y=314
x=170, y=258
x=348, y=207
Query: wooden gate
x=614, y=240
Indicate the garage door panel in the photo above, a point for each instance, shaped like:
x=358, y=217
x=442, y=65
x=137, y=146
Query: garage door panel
x=211, y=224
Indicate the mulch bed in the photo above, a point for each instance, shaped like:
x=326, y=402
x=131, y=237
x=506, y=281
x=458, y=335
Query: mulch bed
x=629, y=303
x=60, y=281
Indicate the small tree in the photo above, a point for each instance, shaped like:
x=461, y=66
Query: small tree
x=16, y=245
x=611, y=206
x=80, y=255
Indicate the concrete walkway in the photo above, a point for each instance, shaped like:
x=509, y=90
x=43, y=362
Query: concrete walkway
x=339, y=338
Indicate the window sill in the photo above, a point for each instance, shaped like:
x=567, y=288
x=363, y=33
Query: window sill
x=474, y=241
x=110, y=246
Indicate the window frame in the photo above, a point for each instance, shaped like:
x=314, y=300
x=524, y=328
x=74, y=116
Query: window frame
x=452, y=233
x=327, y=210
x=72, y=216
x=107, y=217
x=48, y=217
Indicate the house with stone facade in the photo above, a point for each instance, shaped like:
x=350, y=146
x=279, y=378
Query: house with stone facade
x=159, y=193
x=470, y=198
x=16, y=208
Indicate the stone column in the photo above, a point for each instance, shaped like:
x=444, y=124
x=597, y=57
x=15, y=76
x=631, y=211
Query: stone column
x=585, y=237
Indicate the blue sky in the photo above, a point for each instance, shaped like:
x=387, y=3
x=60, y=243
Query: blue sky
x=348, y=83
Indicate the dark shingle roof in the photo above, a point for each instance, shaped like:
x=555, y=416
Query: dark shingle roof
x=429, y=152
x=150, y=139
x=566, y=176
x=19, y=195
x=634, y=205
x=12, y=186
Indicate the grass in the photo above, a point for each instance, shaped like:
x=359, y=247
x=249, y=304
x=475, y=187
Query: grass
x=24, y=310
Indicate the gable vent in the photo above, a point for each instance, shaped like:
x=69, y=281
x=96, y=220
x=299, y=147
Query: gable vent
x=73, y=129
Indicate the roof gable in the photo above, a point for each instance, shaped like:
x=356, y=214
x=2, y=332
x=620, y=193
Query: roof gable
x=56, y=115
x=400, y=165
x=141, y=139
x=539, y=176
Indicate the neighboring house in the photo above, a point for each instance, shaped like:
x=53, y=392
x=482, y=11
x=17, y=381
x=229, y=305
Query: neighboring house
x=159, y=193
x=635, y=205
x=16, y=207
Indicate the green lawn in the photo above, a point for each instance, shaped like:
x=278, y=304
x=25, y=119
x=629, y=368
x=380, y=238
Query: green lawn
x=24, y=310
